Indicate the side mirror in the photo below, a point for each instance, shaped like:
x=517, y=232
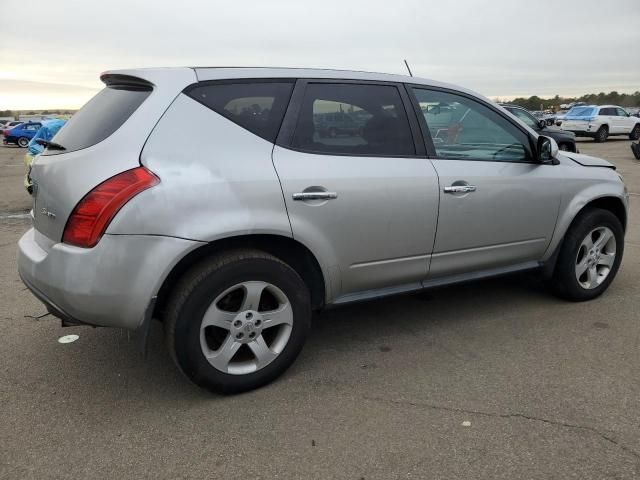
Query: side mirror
x=547, y=149
x=542, y=124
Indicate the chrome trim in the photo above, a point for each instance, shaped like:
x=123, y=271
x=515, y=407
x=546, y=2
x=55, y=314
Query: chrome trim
x=460, y=189
x=315, y=196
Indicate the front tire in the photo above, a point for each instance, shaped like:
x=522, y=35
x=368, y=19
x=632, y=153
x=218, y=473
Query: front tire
x=635, y=133
x=237, y=321
x=602, y=134
x=590, y=256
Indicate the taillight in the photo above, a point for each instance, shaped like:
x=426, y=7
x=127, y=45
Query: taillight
x=92, y=215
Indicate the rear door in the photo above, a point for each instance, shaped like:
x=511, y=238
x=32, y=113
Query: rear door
x=625, y=122
x=365, y=200
x=498, y=207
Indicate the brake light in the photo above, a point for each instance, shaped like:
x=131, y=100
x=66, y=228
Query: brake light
x=92, y=215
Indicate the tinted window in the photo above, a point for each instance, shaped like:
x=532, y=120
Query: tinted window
x=258, y=107
x=607, y=111
x=621, y=112
x=527, y=118
x=462, y=128
x=353, y=119
x=100, y=117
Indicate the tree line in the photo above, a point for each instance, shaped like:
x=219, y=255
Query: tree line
x=612, y=98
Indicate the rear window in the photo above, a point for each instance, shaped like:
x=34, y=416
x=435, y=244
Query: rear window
x=259, y=106
x=581, y=111
x=100, y=117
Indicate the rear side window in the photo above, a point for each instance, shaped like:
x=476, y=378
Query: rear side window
x=350, y=119
x=582, y=111
x=101, y=116
x=258, y=107
x=607, y=111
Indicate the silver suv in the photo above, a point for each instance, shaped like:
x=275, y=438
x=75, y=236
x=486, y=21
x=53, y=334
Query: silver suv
x=212, y=199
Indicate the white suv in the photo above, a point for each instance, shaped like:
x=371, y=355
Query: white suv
x=599, y=122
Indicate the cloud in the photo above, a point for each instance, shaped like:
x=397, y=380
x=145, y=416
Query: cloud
x=497, y=47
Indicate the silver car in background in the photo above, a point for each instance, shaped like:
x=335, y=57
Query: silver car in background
x=229, y=204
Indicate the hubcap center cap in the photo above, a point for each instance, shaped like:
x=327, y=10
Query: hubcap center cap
x=247, y=326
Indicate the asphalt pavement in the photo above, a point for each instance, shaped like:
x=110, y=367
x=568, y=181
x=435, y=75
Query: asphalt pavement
x=496, y=380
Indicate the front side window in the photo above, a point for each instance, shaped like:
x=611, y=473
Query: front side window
x=462, y=128
x=527, y=118
x=351, y=119
x=259, y=107
x=621, y=112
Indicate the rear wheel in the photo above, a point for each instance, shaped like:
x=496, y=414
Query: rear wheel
x=238, y=321
x=635, y=133
x=590, y=256
x=23, y=142
x=602, y=134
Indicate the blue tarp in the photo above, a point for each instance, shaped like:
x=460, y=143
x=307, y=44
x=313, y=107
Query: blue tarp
x=47, y=131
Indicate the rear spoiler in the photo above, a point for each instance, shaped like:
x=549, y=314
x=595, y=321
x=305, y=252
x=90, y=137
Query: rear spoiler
x=125, y=82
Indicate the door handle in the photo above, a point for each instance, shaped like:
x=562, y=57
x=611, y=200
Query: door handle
x=315, y=196
x=460, y=189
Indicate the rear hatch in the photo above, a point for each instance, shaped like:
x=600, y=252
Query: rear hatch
x=578, y=118
x=101, y=140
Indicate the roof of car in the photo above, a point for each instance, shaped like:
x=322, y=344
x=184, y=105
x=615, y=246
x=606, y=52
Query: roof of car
x=222, y=73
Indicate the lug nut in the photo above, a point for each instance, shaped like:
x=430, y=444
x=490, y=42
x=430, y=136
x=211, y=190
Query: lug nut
x=237, y=323
x=258, y=323
x=252, y=334
x=249, y=315
x=239, y=335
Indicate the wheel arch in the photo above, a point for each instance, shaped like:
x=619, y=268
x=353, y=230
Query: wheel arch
x=290, y=251
x=612, y=203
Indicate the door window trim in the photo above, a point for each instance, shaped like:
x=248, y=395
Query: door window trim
x=426, y=133
x=291, y=116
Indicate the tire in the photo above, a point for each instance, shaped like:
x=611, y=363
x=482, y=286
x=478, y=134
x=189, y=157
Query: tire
x=23, y=142
x=574, y=255
x=564, y=147
x=635, y=133
x=602, y=134
x=213, y=286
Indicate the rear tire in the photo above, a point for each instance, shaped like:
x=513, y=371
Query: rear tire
x=23, y=142
x=602, y=134
x=572, y=279
x=635, y=133
x=225, y=333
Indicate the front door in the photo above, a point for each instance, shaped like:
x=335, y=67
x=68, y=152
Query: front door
x=363, y=199
x=498, y=207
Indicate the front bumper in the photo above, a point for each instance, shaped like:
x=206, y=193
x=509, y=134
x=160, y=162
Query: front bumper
x=110, y=285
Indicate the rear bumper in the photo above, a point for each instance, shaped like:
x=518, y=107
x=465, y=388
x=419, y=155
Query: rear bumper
x=110, y=285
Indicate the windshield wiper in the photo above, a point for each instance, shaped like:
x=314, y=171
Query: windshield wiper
x=50, y=145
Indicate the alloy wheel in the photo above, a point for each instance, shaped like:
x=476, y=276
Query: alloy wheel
x=595, y=258
x=246, y=327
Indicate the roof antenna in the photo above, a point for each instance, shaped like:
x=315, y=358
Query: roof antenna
x=407, y=65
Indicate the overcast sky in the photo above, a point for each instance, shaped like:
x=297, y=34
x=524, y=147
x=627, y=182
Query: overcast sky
x=52, y=55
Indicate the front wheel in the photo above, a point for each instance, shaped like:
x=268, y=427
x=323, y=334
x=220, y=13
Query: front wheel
x=590, y=256
x=635, y=133
x=23, y=142
x=238, y=321
x=564, y=147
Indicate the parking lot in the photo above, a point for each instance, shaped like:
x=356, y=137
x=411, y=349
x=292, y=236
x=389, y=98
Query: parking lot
x=496, y=379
